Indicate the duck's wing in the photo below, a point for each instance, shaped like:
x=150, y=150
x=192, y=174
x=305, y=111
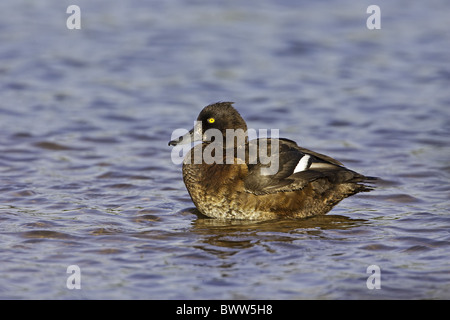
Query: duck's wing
x=292, y=168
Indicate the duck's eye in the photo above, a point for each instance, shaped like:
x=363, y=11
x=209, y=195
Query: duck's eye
x=211, y=120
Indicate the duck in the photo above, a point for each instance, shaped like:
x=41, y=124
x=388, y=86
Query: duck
x=229, y=176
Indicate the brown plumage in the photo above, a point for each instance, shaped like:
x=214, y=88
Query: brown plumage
x=304, y=184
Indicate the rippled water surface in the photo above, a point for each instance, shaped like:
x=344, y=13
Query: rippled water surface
x=86, y=176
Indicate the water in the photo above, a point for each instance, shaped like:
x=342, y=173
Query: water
x=85, y=170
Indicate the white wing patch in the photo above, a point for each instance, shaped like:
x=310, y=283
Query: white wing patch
x=303, y=164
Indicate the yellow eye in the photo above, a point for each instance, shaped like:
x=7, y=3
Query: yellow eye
x=211, y=120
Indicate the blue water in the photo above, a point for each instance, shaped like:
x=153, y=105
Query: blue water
x=86, y=176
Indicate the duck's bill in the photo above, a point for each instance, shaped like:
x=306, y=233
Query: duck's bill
x=184, y=139
x=195, y=134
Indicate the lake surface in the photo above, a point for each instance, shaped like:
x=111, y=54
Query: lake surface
x=86, y=176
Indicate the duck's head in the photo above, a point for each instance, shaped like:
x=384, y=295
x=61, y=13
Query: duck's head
x=219, y=116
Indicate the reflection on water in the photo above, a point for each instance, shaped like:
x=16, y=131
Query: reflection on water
x=239, y=235
x=85, y=171
x=283, y=225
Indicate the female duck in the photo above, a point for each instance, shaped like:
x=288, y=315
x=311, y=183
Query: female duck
x=230, y=177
